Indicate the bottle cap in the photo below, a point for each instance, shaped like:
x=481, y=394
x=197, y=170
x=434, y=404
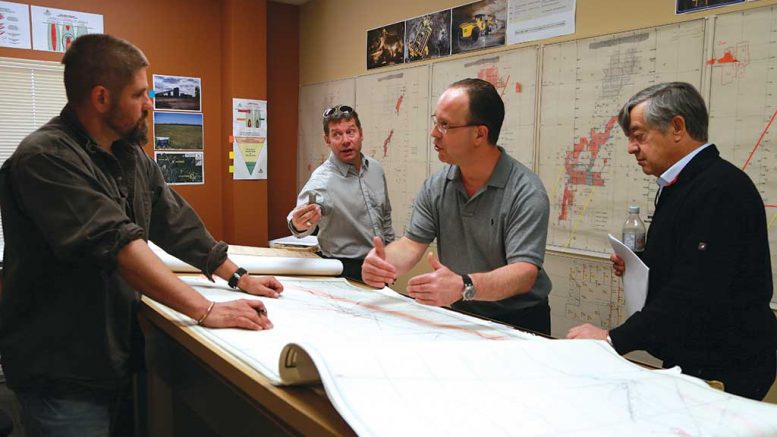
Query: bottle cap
x=633, y=209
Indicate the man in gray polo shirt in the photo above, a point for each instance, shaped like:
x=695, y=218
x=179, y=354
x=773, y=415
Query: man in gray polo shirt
x=489, y=214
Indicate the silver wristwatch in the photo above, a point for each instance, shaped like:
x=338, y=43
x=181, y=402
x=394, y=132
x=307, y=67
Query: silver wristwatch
x=469, y=289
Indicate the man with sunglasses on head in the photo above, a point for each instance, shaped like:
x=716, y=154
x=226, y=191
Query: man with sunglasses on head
x=346, y=197
x=489, y=214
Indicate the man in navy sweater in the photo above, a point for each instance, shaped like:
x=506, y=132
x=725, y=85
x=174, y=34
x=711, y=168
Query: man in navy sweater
x=707, y=307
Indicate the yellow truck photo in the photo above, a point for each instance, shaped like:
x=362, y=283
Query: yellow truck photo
x=481, y=24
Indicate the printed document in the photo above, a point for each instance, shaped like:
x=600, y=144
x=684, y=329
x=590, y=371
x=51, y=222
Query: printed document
x=635, y=279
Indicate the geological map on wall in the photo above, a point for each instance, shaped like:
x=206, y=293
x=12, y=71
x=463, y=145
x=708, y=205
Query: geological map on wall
x=313, y=100
x=742, y=102
x=583, y=161
x=394, y=111
x=514, y=74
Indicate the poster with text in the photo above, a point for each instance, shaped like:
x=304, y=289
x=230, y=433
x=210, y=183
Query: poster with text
x=250, y=158
x=530, y=20
x=249, y=130
x=15, y=25
x=249, y=118
x=53, y=30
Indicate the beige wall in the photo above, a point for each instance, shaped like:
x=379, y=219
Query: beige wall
x=333, y=33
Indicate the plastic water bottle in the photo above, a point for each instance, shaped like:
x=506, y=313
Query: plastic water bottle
x=634, y=230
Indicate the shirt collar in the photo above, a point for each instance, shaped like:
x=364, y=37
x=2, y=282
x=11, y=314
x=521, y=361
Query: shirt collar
x=498, y=177
x=344, y=167
x=670, y=176
x=501, y=171
x=68, y=115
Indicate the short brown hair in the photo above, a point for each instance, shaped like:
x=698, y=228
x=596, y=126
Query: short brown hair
x=99, y=59
x=485, y=105
x=339, y=113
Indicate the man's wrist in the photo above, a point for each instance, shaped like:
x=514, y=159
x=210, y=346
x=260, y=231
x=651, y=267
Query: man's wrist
x=205, y=315
x=235, y=277
x=241, y=283
x=294, y=228
x=468, y=292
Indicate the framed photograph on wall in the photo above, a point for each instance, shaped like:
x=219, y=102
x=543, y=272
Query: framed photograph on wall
x=428, y=36
x=479, y=25
x=685, y=6
x=386, y=45
x=177, y=93
x=181, y=168
x=178, y=130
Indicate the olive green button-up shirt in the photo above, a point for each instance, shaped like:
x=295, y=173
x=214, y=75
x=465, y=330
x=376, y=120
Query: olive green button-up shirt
x=68, y=208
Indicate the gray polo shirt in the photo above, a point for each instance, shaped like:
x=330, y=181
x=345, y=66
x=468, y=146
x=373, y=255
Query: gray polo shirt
x=354, y=205
x=505, y=222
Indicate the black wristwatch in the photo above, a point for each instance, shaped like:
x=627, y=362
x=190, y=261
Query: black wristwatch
x=236, y=277
x=469, y=289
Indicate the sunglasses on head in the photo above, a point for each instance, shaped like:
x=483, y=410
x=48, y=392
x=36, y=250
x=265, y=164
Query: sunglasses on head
x=343, y=109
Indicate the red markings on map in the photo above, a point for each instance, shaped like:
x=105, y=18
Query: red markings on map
x=491, y=75
x=732, y=65
x=409, y=317
x=518, y=87
x=399, y=103
x=386, y=143
x=727, y=58
x=579, y=165
x=758, y=143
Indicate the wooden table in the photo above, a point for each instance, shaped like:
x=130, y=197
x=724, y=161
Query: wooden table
x=195, y=388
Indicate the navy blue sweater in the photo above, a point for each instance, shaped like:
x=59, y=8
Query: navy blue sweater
x=710, y=272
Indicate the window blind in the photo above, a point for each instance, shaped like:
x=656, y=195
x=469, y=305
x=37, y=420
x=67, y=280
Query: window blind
x=31, y=93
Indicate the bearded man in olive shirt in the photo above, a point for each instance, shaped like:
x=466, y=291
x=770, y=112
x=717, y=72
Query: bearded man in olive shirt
x=79, y=199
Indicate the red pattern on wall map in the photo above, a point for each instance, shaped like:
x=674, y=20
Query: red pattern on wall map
x=491, y=75
x=581, y=172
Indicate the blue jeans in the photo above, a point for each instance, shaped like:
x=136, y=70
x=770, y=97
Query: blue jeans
x=76, y=411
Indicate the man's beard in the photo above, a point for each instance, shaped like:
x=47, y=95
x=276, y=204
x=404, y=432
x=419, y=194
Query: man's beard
x=137, y=135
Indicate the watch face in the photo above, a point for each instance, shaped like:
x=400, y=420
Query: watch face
x=469, y=292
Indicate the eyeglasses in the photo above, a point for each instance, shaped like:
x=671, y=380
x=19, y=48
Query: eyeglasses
x=342, y=109
x=444, y=127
